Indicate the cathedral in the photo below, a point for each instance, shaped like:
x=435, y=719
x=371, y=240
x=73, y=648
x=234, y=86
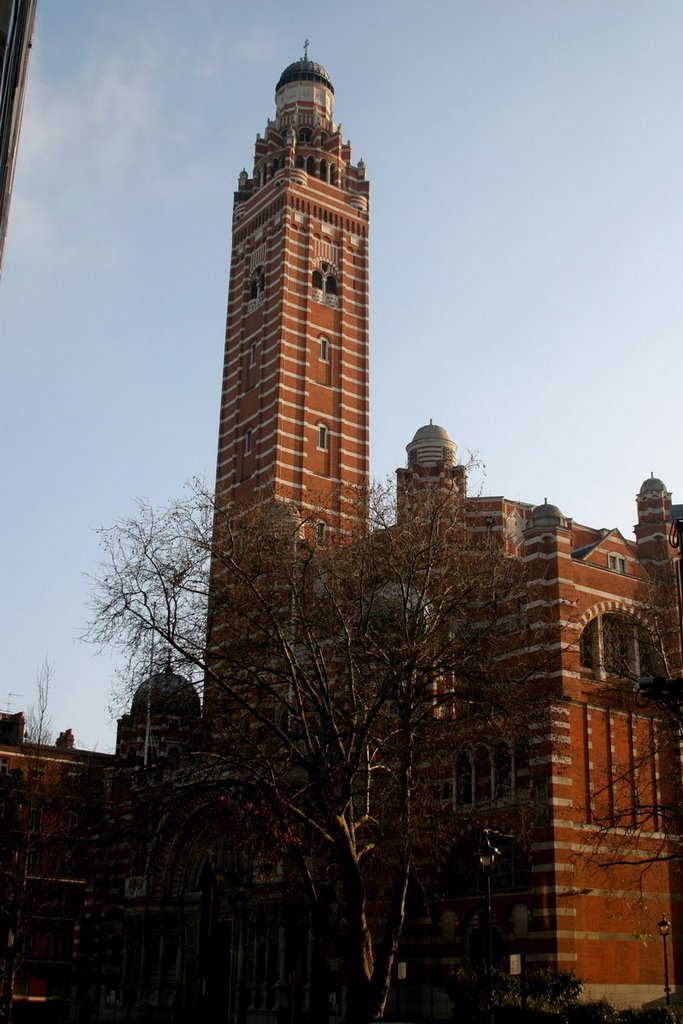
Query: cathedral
x=169, y=929
x=294, y=423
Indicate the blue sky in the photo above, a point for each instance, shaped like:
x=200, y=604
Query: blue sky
x=525, y=159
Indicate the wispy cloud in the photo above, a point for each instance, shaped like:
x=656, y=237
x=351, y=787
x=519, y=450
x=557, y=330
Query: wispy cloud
x=255, y=51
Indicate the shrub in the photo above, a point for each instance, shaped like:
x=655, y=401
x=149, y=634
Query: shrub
x=599, y=1011
x=547, y=992
x=653, y=1015
x=552, y=990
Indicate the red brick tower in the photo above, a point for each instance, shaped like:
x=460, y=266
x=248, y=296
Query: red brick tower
x=294, y=408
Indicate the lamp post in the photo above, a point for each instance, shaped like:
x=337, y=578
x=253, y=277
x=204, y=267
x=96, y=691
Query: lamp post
x=487, y=858
x=664, y=929
x=6, y=977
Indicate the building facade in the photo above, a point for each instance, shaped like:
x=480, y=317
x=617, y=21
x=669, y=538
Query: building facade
x=579, y=793
x=581, y=799
x=584, y=877
x=575, y=805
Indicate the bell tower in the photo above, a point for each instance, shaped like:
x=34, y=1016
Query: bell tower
x=294, y=407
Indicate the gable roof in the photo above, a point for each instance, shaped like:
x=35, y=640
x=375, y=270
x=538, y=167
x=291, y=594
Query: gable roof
x=614, y=535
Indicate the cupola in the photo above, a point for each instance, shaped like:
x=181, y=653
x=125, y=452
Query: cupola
x=431, y=446
x=304, y=94
x=654, y=518
x=166, y=693
x=546, y=515
x=652, y=485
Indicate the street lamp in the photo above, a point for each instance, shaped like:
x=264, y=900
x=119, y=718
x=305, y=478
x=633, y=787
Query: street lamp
x=664, y=929
x=6, y=976
x=487, y=858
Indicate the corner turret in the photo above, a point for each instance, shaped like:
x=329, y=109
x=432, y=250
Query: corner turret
x=654, y=520
x=432, y=469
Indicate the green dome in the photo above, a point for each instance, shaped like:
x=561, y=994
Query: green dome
x=166, y=693
x=305, y=71
x=653, y=485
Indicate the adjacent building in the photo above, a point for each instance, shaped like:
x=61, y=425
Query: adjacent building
x=17, y=19
x=50, y=814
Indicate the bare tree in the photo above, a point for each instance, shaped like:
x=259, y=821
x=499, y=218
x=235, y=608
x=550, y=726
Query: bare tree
x=340, y=674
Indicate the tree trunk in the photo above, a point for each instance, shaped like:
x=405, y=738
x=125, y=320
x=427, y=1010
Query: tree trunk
x=368, y=975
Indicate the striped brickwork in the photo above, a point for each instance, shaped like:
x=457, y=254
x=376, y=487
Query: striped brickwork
x=294, y=409
x=603, y=857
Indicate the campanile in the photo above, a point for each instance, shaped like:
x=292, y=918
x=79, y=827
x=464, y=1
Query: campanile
x=294, y=407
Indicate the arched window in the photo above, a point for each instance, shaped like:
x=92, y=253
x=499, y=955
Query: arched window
x=477, y=930
x=256, y=284
x=520, y=769
x=618, y=640
x=310, y=165
x=323, y=170
x=447, y=926
x=333, y=174
x=519, y=921
x=482, y=773
x=589, y=646
x=512, y=869
x=463, y=875
x=299, y=162
x=617, y=644
x=476, y=945
x=489, y=773
x=502, y=771
x=463, y=780
x=304, y=134
x=325, y=280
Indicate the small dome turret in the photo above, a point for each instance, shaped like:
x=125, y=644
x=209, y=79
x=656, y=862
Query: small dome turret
x=653, y=485
x=304, y=95
x=166, y=693
x=546, y=515
x=431, y=446
x=305, y=70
